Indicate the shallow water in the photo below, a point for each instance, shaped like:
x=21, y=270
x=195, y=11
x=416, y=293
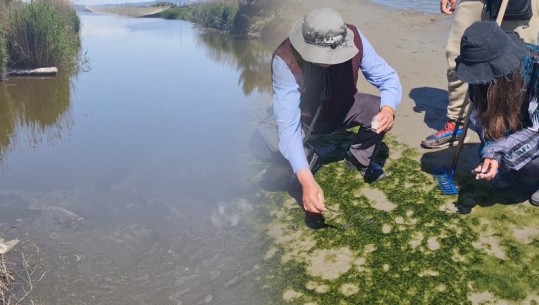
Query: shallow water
x=131, y=183
x=425, y=6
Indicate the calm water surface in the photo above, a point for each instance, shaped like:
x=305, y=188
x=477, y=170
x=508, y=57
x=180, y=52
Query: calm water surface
x=132, y=183
x=425, y=6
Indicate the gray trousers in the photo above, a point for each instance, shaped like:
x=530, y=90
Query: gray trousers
x=365, y=107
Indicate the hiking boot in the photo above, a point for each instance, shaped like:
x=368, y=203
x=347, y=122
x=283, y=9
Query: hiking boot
x=445, y=137
x=371, y=173
x=534, y=199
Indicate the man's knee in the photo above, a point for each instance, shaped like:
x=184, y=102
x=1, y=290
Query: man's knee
x=370, y=104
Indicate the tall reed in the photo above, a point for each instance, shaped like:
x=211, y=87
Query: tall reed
x=43, y=33
x=3, y=53
x=3, y=30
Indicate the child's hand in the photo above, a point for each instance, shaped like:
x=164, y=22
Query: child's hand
x=487, y=169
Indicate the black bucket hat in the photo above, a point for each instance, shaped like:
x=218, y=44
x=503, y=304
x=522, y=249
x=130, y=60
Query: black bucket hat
x=487, y=53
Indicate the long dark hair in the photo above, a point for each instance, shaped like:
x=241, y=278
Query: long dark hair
x=498, y=105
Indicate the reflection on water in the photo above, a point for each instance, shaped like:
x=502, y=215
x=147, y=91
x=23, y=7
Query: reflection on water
x=249, y=56
x=425, y=6
x=148, y=198
x=37, y=109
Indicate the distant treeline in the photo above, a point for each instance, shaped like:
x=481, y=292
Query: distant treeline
x=216, y=15
x=37, y=34
x=235, y=16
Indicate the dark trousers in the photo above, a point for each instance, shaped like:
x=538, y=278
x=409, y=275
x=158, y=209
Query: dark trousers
x=365, y=107
x=530, y=170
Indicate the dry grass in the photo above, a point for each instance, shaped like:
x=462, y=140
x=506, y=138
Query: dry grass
x=16, y=287
x=5, y=281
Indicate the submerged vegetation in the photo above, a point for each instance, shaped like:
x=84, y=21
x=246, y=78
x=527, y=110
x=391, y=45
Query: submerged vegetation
x=400, y=241
x=39, y=34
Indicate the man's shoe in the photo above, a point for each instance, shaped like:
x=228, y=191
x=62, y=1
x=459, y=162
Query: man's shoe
x=534, y=199
x=371, y=173
x=445, y=137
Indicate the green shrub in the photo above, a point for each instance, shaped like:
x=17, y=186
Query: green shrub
x=164, y=3
x=216, y=15
x=44, y=33
x=182, y=13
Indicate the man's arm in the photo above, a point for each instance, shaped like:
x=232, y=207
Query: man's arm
x=286, y=99
x=381, y=75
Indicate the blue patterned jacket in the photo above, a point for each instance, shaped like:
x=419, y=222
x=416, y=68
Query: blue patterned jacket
x=515, y=150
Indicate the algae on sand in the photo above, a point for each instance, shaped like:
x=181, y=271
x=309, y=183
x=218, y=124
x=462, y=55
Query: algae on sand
x=421, y=251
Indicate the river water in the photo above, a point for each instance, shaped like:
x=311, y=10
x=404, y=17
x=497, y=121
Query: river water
x=132, y=182
x=425, y=6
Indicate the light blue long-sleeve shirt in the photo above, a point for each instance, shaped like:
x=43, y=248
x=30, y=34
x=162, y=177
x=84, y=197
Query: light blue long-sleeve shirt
x=286, y=99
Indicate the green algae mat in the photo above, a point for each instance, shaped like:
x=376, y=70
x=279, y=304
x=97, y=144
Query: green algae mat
x=401, y=241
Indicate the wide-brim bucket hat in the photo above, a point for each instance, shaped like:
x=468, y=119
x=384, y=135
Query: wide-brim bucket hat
x=322, y=37
x=487, y=53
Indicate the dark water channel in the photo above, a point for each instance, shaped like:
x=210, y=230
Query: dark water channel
x=132, y=183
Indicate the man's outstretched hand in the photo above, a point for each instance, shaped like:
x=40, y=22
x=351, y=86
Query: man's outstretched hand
x=313, y=196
